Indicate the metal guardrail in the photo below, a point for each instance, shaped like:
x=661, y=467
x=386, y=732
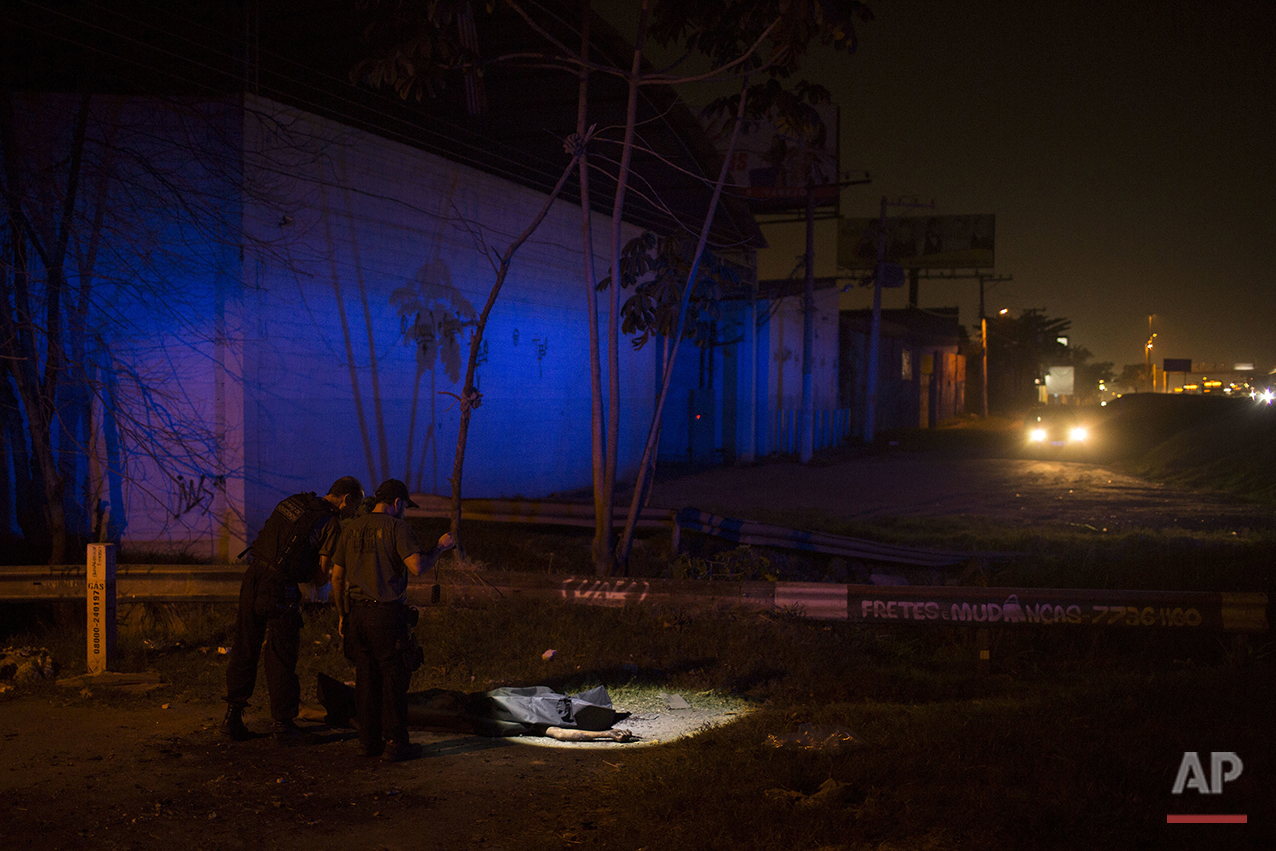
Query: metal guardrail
x=1051, y=607
x=890, y=604
x=134, y=583
x=766, y=535
x=542, y=512
x=749, y=532
x=868, y=604
x=536, y=511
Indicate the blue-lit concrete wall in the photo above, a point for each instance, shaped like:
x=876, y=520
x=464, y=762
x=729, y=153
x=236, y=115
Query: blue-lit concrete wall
x=293, y=302
x=721, y=382
x=786, y=343
x=784, y=361
x=151, y=240
x=358, y=239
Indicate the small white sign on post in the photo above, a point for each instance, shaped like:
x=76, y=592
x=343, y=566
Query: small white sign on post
x=101, y=607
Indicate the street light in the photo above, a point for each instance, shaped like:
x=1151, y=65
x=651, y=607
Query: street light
x=1147, y=356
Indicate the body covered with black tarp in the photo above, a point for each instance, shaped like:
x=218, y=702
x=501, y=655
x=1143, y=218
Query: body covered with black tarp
x=507, y=711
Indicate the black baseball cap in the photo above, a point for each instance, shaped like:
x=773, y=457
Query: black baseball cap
x=392, y=489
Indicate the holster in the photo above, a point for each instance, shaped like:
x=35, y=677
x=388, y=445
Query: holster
x=275, y=596
x=413, y=654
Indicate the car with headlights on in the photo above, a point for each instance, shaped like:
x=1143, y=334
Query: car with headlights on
x=1055, y=428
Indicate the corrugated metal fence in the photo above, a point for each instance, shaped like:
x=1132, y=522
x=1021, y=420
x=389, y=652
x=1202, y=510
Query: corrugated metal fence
x=832, y=426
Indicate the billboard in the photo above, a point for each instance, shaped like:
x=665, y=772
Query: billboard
x=776, y=155
x=1177, y=364
x=1060, y=380
x=918, y=242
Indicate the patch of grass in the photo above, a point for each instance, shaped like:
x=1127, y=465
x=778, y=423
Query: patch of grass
x=1076, y=764
x=1233, y=453
x=1040, y=557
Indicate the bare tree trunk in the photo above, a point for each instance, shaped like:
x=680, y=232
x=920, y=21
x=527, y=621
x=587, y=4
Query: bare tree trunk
x=76, y=405
x=28, y=491
x=653, y=433
x=602, y=551
x=604, y=567
x=470, y=397
x=39, y=394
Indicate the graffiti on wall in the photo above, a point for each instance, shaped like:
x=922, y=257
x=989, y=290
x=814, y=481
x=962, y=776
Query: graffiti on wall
x=195, y=495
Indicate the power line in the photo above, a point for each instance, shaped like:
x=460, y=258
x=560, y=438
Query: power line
x=509, y=162
x=512, y=165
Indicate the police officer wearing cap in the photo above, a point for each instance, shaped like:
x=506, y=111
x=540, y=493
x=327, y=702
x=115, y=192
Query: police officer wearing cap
x=374, y=557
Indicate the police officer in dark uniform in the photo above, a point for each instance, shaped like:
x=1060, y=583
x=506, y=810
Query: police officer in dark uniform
x=295, y=545
x=370, y=569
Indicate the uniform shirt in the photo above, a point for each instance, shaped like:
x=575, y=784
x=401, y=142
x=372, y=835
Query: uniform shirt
x=373, y=549
x=325, y=535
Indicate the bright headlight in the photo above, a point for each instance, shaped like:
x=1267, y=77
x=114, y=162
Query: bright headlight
x=1037, y=435
x=1078, y=433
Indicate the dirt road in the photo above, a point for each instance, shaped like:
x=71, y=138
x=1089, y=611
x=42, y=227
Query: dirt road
x=146, y=777
x=1020, y=491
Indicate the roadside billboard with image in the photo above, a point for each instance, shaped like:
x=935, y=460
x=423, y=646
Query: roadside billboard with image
x=775, y=156
x=919, y=242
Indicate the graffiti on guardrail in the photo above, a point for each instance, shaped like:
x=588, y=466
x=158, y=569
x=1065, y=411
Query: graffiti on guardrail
x=1012, y=611
x=597, y=592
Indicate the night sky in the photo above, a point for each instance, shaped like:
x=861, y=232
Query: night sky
x=1127, y=148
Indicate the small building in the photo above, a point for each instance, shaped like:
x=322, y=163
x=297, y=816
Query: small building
x=921, y=367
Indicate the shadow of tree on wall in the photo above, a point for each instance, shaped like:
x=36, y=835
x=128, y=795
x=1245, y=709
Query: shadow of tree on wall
x=432, y=313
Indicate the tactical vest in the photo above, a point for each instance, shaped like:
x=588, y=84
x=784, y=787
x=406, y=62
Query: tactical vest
x=285, y=538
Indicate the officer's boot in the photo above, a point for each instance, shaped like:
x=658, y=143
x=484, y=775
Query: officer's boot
x=233, y=725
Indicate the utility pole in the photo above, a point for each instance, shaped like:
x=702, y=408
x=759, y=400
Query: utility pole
x=1147, y=356
x=983, y=333
x=807, y=446
x=983, y=278
x=875, y=329
x=983, y=343
x=806, y=439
